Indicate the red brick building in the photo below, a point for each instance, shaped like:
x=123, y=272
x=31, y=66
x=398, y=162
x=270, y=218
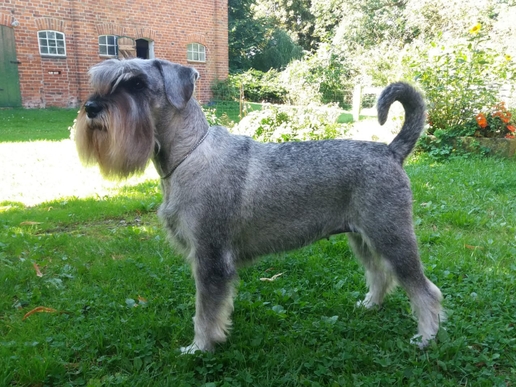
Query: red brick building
x=47, y=47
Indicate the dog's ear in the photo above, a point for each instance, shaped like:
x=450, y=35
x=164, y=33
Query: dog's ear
x=178, y=81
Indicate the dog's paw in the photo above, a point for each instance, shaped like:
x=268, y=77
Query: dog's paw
x=190, y=350
x=367, y=303
x=364, y=304
x=420, y=341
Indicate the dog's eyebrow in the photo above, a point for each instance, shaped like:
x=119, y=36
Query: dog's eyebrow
x=126, y=77
x=123, y=77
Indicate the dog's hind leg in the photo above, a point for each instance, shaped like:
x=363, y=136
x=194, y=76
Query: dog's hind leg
x=380, y=279
x=214, y=277
x=398, y=248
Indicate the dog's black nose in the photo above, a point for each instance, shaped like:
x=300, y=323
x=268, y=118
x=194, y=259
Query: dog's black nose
x=92, y=109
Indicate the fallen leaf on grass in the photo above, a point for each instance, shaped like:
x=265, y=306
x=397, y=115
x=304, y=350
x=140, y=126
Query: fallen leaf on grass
x=131, y=303
x=473, y=247
x=29, y=223
x=39, y=309
x=273, y=278
x=38, y=272
x=72, y=365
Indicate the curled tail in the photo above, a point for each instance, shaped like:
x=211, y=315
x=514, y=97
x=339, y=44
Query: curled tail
x=413, y=126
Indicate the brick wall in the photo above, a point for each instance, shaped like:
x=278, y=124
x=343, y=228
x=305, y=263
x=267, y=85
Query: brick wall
x=168, y=25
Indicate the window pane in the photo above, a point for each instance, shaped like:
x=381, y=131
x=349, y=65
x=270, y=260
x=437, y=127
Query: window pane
x=196, y=52
x=107, y=45
x=52, y=43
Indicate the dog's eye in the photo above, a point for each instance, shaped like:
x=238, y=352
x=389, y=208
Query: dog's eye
x=136, y=84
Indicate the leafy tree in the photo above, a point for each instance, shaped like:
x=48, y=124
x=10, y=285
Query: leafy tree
x=256, y=41
x=278, y=51
x=328, y=14
x=246, y=34
x=293, y=16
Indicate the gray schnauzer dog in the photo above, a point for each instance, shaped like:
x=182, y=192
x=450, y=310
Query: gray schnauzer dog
x=228, y=199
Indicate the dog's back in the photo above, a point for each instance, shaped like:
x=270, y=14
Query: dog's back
x=283, y=196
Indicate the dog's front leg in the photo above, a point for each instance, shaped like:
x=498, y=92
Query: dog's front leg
x=214, y=275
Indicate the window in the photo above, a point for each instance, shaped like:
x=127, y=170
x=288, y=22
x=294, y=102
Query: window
x=108, y=45
x=196, y=52
x=51, y=43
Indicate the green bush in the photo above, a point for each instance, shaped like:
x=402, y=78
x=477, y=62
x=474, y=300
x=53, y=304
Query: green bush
x=280, y=124
x=256, y=85
x=461, y=80
x=323, y=77
x=225, y=90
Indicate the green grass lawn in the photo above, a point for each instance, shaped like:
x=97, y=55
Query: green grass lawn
x=120, y=301
x=35, y=124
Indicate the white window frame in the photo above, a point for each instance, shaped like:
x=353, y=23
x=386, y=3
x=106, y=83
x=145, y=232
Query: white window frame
x=108, y=45
x=54, y=40
x=196, y=52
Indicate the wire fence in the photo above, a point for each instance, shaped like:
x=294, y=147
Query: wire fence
x=360, y=102
x=234, y=106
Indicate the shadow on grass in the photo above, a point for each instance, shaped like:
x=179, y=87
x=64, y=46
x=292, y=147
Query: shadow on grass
x=141, y=198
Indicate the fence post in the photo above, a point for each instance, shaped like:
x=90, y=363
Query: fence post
x=240, y=115
x=357, y=102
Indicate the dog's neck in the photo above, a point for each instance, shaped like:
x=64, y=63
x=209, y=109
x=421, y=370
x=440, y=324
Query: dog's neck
x=177, y=135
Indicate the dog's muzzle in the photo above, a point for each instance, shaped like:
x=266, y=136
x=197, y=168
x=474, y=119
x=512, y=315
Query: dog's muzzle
x=92, y=109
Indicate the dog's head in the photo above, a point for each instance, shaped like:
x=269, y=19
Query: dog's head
x=116, y=125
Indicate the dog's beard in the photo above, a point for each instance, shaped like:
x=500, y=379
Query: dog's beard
x=120, y=139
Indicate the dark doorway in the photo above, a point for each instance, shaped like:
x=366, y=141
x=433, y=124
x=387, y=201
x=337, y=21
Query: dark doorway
x=142, y=48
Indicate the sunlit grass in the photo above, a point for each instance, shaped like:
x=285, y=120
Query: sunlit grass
x=39, y=171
